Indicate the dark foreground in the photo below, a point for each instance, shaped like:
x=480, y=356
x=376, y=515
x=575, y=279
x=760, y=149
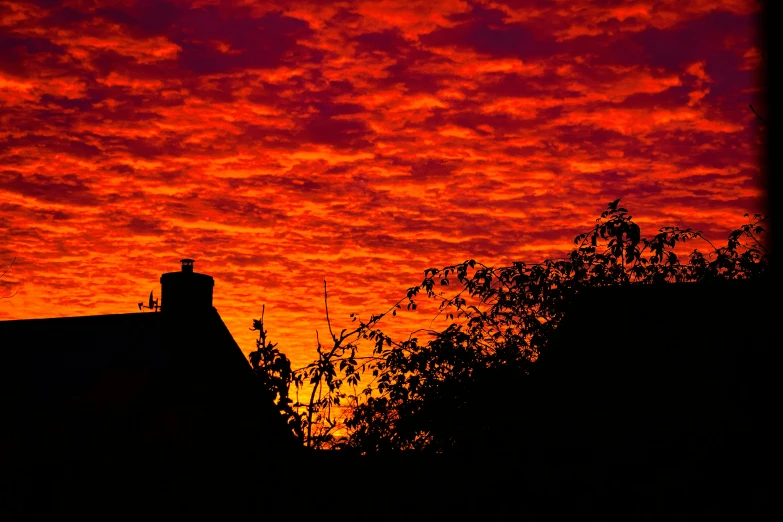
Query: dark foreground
x=702, y=484
x=667, y=411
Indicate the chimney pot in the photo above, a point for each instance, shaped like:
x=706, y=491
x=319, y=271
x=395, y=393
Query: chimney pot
x=187, y=265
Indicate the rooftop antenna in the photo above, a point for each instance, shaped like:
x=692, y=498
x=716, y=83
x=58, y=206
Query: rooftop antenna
x=153, y=304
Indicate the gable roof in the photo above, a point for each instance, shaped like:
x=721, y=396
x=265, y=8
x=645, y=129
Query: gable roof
x=142, y=400
x=48, y=354
x=85, y=386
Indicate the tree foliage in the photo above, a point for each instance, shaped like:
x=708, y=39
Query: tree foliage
x=274, y=375
x=444, y=393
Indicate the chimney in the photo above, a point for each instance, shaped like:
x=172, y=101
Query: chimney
x=186, y=291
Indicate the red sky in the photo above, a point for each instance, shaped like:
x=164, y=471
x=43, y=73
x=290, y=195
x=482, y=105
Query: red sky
x=281, y=143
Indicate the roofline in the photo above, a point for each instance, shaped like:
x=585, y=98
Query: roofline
x=71, y=317
x=85, y=316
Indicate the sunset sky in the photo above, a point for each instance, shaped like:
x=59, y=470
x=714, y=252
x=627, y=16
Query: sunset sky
x=281, y=143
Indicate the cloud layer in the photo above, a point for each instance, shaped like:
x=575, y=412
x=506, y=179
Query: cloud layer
x=282, y=143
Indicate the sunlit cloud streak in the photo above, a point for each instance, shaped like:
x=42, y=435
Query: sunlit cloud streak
x=282, y=143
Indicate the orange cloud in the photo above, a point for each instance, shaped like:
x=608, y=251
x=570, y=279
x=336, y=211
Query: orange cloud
x=283, y=143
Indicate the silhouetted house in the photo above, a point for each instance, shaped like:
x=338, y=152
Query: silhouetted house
x=168, y=400
x=167, y=392
x=678, y=366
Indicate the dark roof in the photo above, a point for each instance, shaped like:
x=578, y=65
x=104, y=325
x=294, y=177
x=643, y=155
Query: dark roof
x=49, y=353
x=54, y=354
x=160, y=402
x=142, y=387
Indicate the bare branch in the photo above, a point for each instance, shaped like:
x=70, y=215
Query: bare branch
x=9, y=296
x=328, y=321
x=9, y=267
x=4, y=273
x=757, y=115
x=312, y=397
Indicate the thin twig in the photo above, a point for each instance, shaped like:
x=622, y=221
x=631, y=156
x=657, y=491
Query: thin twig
x=328, y=322
x=9, y=267
x=312, y=398
x=4, y=273
x=757, y=114
x=262, y=334
x=757, y=242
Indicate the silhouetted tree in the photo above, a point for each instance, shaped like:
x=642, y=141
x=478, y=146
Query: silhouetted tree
x=273, y=370
x=444, y=393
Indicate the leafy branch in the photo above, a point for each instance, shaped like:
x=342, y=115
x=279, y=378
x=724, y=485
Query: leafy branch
x=423, y=393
